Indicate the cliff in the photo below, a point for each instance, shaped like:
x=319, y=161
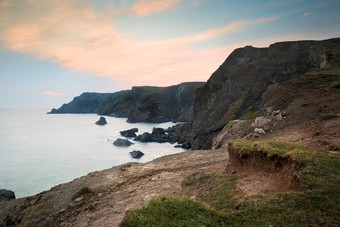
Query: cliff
x=235, y=89
x=88, y=102
x=304, y=110
x=140, y=104
x=265, y=180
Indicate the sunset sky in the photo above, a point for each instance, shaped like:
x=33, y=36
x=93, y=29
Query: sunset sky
x=51, y=51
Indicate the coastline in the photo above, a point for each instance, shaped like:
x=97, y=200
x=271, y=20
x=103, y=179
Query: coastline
x=39, y=150
x=114, y=190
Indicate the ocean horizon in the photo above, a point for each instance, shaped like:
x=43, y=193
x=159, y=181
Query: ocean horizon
x=39, y=150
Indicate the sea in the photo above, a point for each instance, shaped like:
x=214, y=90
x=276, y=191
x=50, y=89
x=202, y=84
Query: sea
x=39, y=150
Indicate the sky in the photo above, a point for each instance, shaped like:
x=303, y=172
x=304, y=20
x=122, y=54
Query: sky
x=52, y=51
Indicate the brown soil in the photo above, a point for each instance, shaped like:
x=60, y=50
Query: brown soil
x=103, y=197
x=259, y=174
x=316, y=134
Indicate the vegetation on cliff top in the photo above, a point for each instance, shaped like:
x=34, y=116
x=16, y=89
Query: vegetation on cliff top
x=215, y=200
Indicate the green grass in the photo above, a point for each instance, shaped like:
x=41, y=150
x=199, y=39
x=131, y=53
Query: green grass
x=173, y=211
x=213, y=189
x=218, y=202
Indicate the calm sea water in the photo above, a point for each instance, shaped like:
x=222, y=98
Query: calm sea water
x=39, y=150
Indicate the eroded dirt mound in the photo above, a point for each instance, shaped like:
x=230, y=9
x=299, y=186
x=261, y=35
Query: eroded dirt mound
x=259, y=173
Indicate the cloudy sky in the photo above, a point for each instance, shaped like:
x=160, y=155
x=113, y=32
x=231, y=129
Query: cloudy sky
x=51, y=51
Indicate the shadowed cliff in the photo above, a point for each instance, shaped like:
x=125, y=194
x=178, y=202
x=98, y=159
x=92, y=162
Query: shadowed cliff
x=140, y=104
x=235, y=89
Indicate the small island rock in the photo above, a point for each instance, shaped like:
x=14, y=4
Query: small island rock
x=6, y=195
x=122, y=142
x=101, y=121
x=136, y=154
x=129, y=133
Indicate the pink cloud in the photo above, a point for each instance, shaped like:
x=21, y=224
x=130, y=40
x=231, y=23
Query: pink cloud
x=146, y=7
x=51, y=93
x=71, y=34
x=236, y=26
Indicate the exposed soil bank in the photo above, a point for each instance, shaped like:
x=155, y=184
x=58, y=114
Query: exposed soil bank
x=258, y=173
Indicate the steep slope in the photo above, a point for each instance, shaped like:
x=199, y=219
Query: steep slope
x=303, y=110
x=234, y=90
x=140, y=104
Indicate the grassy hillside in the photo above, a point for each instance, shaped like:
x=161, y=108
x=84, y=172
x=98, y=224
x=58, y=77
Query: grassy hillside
x=215, y=200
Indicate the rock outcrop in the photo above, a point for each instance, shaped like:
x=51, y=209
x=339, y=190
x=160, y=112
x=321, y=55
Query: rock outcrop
x=101, y=121
x=122, y=143
x=171, y=135
x=235, y=89
x=233, y=130
x=130, y=133
x=136, y=154
x=6, y=195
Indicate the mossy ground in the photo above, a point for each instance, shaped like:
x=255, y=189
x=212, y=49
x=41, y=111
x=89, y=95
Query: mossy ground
x=215, y=201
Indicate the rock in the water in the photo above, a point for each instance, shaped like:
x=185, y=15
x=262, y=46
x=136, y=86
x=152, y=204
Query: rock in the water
x=136, y=154
x=186, y=145
x=6, y=195
x=177, y=146
x=129, y=133
x=158, y=131
x=145, y=137
x=122, y=142
x=148, y=137
x=101, y=121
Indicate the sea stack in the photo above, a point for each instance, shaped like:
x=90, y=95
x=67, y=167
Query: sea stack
x=101, y=121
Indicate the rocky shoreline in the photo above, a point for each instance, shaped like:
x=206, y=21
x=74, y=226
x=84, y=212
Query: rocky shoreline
x=101, y=198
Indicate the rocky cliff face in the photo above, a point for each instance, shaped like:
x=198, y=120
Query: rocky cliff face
x=234, y=90
x=140, y=104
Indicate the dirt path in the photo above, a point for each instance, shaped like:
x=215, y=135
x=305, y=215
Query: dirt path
x=112, y=192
